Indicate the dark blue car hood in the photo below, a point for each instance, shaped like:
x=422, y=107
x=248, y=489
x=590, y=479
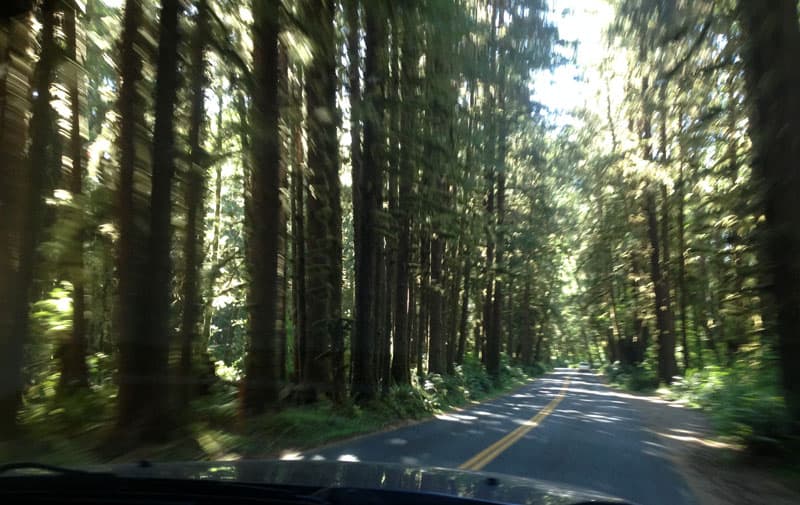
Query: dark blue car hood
x=483, y=486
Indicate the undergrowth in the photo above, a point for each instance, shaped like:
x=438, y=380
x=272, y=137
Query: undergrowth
x=744, y=401
x=639, y=378
x=75, y=429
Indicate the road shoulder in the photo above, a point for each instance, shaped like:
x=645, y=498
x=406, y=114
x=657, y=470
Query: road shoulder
x=715, y=471
x=402, y=423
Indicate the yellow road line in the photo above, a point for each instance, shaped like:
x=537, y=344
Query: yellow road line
x=486, y=456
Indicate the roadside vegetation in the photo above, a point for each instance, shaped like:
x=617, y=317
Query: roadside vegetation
x=75, y=430
x=743, y=401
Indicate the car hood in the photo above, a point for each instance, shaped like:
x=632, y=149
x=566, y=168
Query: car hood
x=482, y=486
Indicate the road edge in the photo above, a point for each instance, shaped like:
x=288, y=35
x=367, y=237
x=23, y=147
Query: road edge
x=405, y=422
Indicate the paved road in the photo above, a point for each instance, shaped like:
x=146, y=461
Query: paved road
x=566, y=427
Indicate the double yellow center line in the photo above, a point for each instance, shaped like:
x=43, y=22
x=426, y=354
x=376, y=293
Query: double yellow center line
x=486, y=456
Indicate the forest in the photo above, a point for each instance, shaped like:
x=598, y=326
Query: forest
x=242, y=224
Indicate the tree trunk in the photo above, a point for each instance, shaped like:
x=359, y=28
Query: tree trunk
x=772, y=79
x=324, y=242
x=408, y=124
x=424, y=300
x=262, y=371
x=16, y=40
x=285, y=149
x=527, y=330
x=353, y=43
x=436, y=357
x=491, y=356
x=682, y=288
x=493, y=344
x=464, y=317
x=368, y=188
x=195, y=189
x=135, y=371
x=667, y=367
x=452, y=311
x=74, y=371
x=299, y=255
x=151, y=397
x=209, y=289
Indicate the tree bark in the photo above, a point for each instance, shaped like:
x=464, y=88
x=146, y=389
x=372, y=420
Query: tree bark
x=368, y=186
x=424, y=297
x=682, y=288
x=262, y=371
x=195, y=189
x=408, y=145
x=436, y=357
x=527, y=330
x=215, y=234
x=299, y=255
x=667, y=367
x=151, y=398
x=491, y=356
x=17, y=38
x=74, y=371
x=463, y=328
x=324, y=242
x=772, y=79
x=136, y=381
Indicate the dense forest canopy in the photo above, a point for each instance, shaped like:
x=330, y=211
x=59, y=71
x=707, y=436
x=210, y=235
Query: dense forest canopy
x=345, y=201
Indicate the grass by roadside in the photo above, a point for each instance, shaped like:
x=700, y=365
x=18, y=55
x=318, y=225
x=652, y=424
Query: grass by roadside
x=76, y=431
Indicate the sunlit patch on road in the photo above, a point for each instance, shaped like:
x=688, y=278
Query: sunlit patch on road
x=348, y=458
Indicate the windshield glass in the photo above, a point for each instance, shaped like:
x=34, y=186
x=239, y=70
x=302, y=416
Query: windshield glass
x=553, y=239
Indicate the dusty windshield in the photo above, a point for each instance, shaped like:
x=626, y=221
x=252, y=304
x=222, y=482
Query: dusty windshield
x=557, y=239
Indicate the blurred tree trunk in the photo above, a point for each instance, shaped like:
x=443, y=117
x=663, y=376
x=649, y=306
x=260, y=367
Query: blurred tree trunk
x=491, y=354
x=407, y=92
x=148, y=400
x=353, y=43
x=324, y=243
x=208, y=312
x=682, y=286
x=136, y=342
x=285, y=148
x=495, y=342
x=527, y=330
x=667, y=367
x=424, y=297
x=463, y=328
x=772, y=80
x=368, y=187
x=194, y=189
x=74, y=371
x=16, y=40
x=264, y=217
x=299, y=252
x=453, y=311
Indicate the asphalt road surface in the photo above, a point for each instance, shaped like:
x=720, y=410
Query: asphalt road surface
x=566, y=427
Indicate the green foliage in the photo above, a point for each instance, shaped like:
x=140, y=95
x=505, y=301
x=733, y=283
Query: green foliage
x=744, y=401
x=640, y=377
x=475, y=378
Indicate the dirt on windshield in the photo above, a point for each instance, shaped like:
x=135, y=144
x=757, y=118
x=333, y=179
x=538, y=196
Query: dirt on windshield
x=717, y=472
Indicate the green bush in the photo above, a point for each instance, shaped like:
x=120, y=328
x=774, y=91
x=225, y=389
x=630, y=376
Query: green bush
x=633, y=377
x=744, y=401
x=474, y=376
